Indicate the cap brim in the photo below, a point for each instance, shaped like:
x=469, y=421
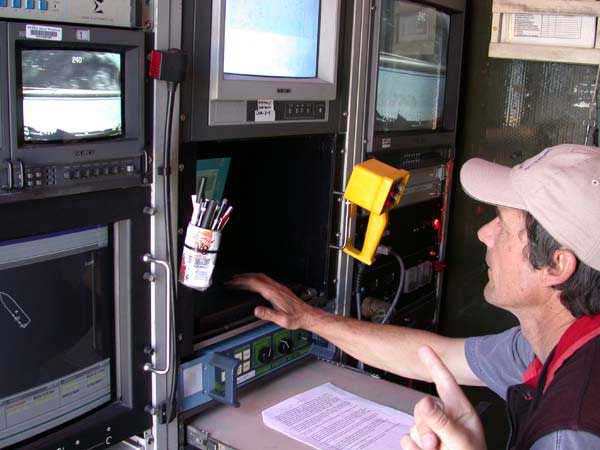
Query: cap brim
x=489, y=183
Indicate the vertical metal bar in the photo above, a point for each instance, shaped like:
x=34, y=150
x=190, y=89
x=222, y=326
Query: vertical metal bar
x=167, y=18
x=360, y=60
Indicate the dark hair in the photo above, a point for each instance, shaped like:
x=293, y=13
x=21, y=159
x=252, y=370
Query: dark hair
x=580, y=294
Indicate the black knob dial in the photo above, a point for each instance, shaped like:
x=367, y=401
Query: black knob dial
x=265, y=354
x=285, y=346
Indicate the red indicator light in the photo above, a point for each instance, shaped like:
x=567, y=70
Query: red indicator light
x=437, y=224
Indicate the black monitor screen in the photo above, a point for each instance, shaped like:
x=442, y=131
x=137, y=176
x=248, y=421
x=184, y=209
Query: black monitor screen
x=71, y=95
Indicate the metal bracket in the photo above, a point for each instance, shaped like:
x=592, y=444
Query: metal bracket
x=22, y=174
x=145, y=163
x=160, y=411
x=149, y=367
x=9, y=167
x=346, y=230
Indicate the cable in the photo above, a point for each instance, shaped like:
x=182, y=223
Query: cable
x=172, y=382
x=381, y=250
x=384, y=250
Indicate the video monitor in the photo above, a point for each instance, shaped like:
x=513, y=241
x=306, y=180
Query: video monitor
x=272, y=38
x=412, y=67
x=70, y=95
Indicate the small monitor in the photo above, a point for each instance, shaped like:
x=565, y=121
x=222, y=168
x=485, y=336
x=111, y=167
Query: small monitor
x=70, y=95
x=272, y=60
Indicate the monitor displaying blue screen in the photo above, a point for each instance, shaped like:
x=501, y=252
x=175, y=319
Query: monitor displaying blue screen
x=272, y=38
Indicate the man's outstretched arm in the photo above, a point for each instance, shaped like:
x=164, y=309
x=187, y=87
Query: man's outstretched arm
x=387, y=347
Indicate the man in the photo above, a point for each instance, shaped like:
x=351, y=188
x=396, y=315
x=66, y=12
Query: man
x=543, y=257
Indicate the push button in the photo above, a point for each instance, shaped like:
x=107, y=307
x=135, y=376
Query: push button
x=16, y=3
x=30, y=4
x=43, y=5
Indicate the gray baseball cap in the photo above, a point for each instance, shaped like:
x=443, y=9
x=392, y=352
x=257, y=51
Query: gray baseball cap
x=559, y=186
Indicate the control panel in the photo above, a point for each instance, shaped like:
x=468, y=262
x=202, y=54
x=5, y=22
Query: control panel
x=219, y=369
x=61, y=179
x=96, y=12
x=291, y=111
x=35, y=177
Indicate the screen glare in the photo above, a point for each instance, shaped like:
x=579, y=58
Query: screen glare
x=272, y=38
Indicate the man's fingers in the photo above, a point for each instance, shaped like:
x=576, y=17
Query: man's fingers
x=407, y=443
x=428, y=439
x=448, y=389
x=281, y=319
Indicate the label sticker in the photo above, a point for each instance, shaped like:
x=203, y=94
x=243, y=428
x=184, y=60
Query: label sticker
x=246, y=376
x=82, y=35
x=386, y=142
x=192, y=380
x=265, y=111
x=43, y=32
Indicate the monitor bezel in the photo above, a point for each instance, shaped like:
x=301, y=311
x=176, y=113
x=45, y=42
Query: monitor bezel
x=445, y=134
x=4, y=121
x=19, y=104
x=127, y=42
x=246, y=87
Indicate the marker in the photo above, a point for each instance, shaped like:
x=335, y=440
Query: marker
x=200, y=192
x=223, y=221
x=210, y=211
x=218, y=214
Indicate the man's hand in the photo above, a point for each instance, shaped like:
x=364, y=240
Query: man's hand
x=454, y=421
x=288, y=310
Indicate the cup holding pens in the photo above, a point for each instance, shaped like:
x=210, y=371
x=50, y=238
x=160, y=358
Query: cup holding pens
x=199, y=257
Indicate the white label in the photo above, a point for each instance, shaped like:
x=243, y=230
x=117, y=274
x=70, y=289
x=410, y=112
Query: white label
x=548, y=29
x=42, y=32
x=246, y=376
x=386, y=142
x=192, y=380
x=265, y=111
x=82, y=35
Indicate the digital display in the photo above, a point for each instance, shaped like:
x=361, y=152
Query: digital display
x=272, y=38
x=70, y=95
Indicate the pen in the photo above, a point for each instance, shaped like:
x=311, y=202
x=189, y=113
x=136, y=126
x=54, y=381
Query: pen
x=200, y=192
x=210, y=211
x=202, y=212
x=215, y=221
x=223, y=221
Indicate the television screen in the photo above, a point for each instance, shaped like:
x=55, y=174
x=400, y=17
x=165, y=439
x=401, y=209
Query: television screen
x=70, y=95
x=411, y=78
x=272, y=38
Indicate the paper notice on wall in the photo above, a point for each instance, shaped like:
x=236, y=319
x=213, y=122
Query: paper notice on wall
x=547, y=29
x=329, y=418
x=265, y=111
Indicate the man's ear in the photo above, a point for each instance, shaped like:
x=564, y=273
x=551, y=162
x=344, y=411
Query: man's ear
x=565, y=265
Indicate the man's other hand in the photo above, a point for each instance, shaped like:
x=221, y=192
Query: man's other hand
x=453, y=421
x=288, y=310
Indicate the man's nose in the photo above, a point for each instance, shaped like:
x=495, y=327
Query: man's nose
x=485, y=234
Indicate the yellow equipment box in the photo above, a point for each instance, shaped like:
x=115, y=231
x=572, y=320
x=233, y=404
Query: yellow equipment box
x=377, y=188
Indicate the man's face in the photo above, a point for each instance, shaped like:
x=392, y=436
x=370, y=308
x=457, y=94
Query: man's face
x=513, y=282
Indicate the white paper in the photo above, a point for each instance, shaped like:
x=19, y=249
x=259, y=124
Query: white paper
x=329, y=418
x=265, y=111
x=547, y=29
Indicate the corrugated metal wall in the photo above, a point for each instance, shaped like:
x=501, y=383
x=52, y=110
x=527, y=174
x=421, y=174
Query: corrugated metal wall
x=510, y=110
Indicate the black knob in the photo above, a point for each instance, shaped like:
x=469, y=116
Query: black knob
x=265, y=354
x=285, y=346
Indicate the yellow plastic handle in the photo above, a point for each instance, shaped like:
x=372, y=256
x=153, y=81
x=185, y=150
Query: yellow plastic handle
x=375, y=229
